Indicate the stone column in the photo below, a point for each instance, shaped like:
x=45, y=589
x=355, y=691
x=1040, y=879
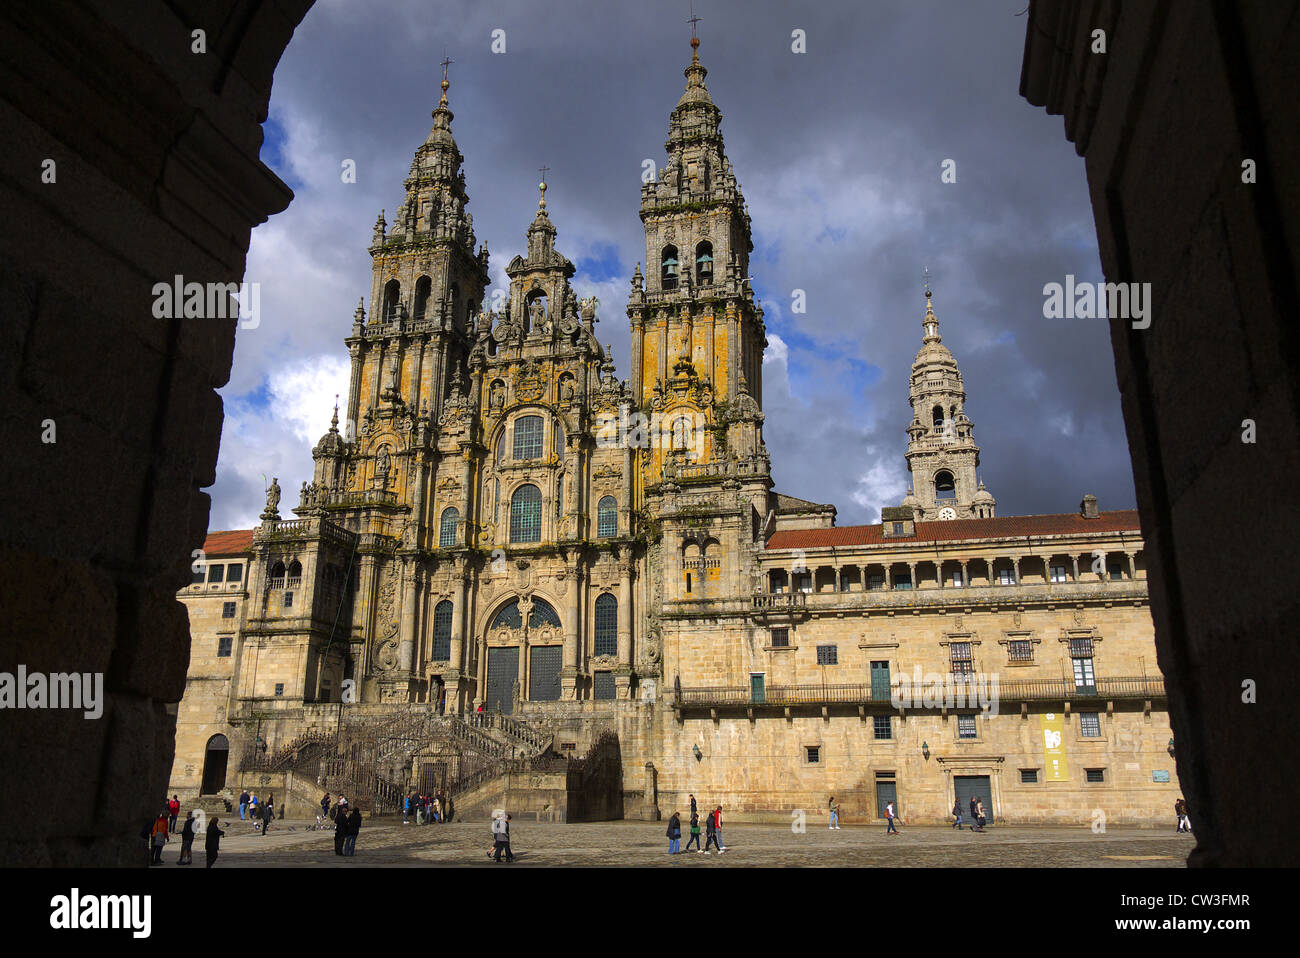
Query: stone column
x=1132, y=567
x=965, y=576
x=569, y=672
x=458, y=617
x=354, y=391
x=1015, y=566
x=1074, y=561
x=623, y=677
x=406, y=648
x=911, y=570
x=733, y=367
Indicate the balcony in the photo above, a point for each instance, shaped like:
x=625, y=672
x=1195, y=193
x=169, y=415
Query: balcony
x=1142, y=688
x=779, y=601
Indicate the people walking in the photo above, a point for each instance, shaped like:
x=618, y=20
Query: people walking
x=956, y=814
x=835, y=814
x=695, y=831
x=674, y=834
x=158, y=837
x=978, y=825
x=340, y=829
x=694, y=811
x=717, y=828
x=354, y=829
x=973, y=819
x=325, y=811
x=406, y=811
x=173, y=812
x=501, y=837
x=243, y=805
x=711, y=833
x=268, y=813
x=890, y=815
x=212, y=842
x=187, y=840
x=1180, y=809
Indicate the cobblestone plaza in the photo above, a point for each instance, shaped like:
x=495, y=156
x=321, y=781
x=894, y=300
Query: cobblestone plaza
x=638, y=844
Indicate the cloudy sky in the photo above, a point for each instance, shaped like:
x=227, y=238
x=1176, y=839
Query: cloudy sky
x=839, y=151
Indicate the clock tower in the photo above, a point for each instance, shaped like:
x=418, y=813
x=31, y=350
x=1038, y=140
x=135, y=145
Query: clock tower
x=941, y=452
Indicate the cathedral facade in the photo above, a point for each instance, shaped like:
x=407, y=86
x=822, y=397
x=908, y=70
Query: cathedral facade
x=496, y=521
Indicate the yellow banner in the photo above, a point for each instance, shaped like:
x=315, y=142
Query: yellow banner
x=1054, y=747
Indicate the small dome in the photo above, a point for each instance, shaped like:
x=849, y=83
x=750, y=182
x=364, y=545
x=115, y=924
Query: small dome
x=983, y=496
x=910, y=501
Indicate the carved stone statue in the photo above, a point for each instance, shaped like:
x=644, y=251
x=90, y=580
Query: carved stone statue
x=537, y=315
x=566, y=389
x=272, y=510
x=381, y=464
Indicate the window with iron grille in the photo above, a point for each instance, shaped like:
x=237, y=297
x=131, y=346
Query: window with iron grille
x=1090, y=724
x=450, y=524
x=875, y=581
x=279, y=688
x=606, y=625
x=224, y=645
x=828, y=655
x=526, y=515
x=227, y=610
x=883, y=728
x=1081, y=648
x=288, y=601
x=1096, y=775
x=961, y=658
x=1020, y=650
x=781, y=637
x=528, y=437
x=814, y=754
x=1029, y=776
x=442, y=631
x=607, y=517
x=966, y=726
x=602, y=686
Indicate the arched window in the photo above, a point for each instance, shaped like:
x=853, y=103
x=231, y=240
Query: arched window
x=422, y=288
x=607, y=518
x=938, y=417
x=704, y=264
x=944, y=488
x=528, y=437
x=277, y=576
x=510, y=617
x=606, y=625
x=450, y=526
x=668, y=270
x=526, y=515
x=295, y=575
x=392, y=295
x=442, y=631
x=496, y=503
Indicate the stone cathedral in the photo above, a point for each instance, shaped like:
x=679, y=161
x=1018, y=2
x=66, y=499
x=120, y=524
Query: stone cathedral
x=507, y=554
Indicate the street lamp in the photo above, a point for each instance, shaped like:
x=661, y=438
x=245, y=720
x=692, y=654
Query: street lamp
x=699, y=756
x=1171, y=748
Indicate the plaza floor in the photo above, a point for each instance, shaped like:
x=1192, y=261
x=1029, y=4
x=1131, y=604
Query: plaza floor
x=388, y=843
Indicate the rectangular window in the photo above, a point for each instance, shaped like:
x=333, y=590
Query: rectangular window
x=1020, y=650
x=1096, y=775
x=899, y=528
x=227, y=610
x=966, y=727
x=1090, y=724
x=903, y=580
x=196, y=578
x=216, y=573
x=234, y=572
x=803, y=582
x=279, y=688
x=1084, y=680
x=875, y=582
x=688, y=582
x=880, y=681
x=1029, y=776
x=961, y=658
x=528, y=437
x=957, y=578
x=602, y=686
x=1007, y=577
x=1058, y=574
x=883, y=728
x=224, y=644
x=828, y=655
x=288, y=601
x=845, y=581
x=1081, y=648
x=1115, y=571
x=814, y=754
x=781, y=638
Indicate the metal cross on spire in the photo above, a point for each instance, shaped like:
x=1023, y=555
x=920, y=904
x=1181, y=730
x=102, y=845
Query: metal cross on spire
x=695, y=40
x=541, y=204
x=446, y=62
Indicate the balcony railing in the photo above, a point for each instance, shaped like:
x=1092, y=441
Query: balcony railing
x=778, y=601
x=1030, y=690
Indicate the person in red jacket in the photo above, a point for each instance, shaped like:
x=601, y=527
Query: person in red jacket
x=173, y=812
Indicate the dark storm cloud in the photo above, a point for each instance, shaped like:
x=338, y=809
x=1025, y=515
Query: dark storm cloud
x=839, y=153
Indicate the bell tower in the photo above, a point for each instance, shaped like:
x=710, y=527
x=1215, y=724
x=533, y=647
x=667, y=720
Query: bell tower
x=697, y=329
x=941, y=451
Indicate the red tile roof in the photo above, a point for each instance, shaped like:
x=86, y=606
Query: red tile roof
x=235, y=542
x=954, y=530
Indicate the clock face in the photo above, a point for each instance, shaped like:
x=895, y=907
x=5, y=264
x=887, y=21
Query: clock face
x=947, y=513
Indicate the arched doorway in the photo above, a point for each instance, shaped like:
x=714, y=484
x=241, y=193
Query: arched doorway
x=214, y=765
